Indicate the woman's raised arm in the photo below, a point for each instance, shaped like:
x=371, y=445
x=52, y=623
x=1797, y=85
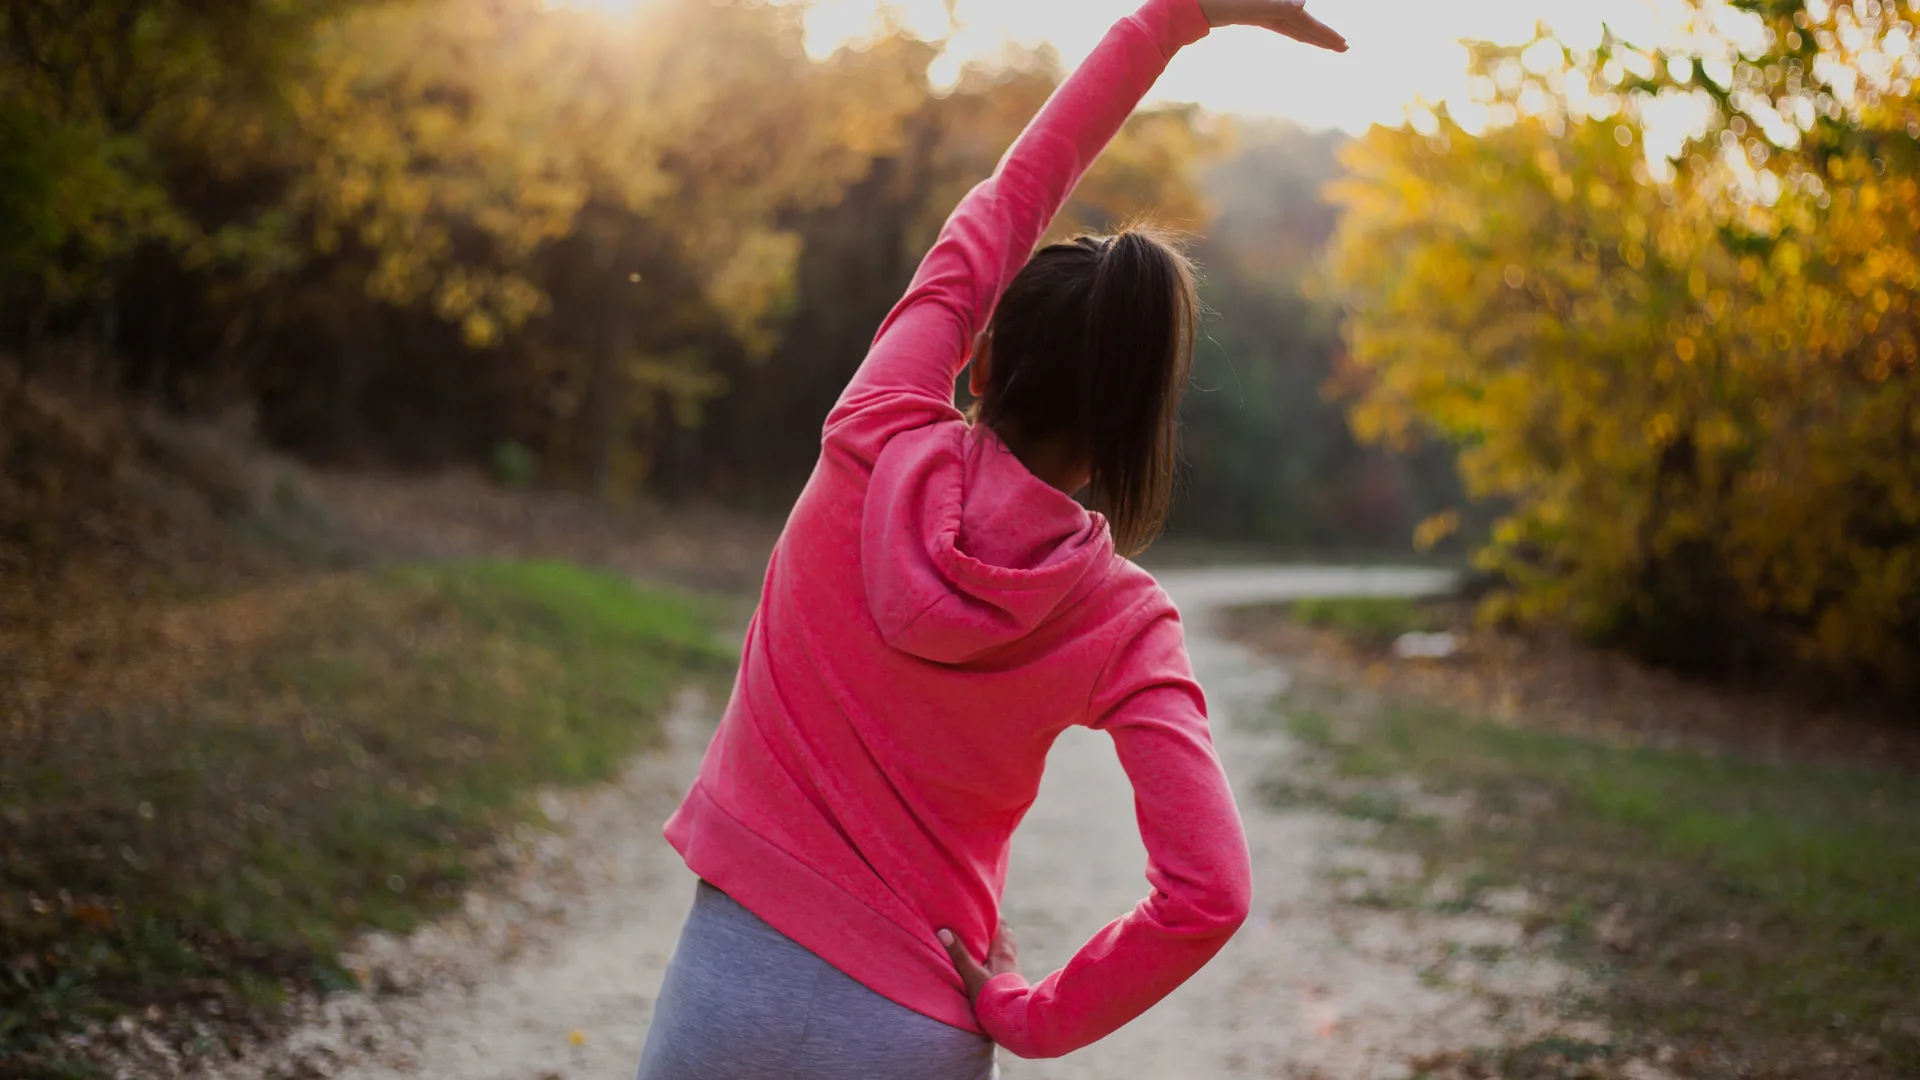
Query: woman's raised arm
x=907, y=378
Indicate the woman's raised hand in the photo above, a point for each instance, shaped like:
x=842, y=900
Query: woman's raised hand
x=1288, y=17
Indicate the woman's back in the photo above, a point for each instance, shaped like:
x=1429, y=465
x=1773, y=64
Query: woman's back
x=935, y=614
x=915, y=654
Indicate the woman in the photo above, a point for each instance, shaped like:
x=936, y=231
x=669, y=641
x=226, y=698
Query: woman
x=938, y=609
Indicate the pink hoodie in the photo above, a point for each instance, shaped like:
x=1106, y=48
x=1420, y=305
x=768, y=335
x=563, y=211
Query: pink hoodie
x=933, y=618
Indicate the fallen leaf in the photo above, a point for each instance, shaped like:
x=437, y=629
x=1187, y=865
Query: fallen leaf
x=96, y=916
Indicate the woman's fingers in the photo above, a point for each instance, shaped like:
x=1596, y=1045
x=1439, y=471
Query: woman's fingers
x=971, y=973
x=1288, y=17
x=1003, y=955
x=1293, y=21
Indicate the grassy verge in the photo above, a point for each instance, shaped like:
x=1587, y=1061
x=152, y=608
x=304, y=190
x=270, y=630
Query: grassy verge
x=1758, y=920
x=1371, y=620
x=213, y=840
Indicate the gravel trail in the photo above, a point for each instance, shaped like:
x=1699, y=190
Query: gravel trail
x=552, y=975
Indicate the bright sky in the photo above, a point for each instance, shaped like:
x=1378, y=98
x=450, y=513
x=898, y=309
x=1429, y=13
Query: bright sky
x=1402, y=49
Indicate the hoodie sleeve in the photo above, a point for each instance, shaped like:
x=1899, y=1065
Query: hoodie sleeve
x=1197, y=863
x=907, y=378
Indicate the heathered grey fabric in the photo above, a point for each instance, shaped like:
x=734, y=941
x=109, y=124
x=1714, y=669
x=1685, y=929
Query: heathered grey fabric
x=742, y=1001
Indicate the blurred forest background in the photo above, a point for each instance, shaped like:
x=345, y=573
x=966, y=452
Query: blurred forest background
x=639, y=255
x=1634, y=331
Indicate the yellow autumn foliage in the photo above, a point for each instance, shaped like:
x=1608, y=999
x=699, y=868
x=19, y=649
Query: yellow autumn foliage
x=562, y=227
x=1692, y=380
x=456, y=142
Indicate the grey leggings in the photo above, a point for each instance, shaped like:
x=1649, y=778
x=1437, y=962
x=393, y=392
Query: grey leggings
x=742, y=1001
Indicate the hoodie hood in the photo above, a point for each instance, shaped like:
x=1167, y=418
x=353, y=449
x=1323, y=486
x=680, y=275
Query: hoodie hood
x=963, y=550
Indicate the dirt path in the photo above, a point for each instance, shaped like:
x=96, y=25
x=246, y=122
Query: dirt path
x=553, y=975
x=1313, y=986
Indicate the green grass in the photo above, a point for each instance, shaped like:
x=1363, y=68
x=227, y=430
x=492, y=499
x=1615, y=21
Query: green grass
x=343, y=770
x=1764, y=918
x=1374, y=620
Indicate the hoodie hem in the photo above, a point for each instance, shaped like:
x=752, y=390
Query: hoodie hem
x=821, y=917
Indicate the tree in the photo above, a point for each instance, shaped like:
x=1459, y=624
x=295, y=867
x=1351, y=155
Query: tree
x=758, y=442
x=648, y=249
x=1269, y=458
x=95, y=98
x=1693, y=376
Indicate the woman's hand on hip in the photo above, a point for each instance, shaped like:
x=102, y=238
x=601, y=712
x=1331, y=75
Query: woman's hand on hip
x=1003, y=956
x=1287, y=17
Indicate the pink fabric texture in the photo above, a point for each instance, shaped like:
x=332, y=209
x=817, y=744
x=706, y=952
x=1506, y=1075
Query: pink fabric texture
x=933, y=618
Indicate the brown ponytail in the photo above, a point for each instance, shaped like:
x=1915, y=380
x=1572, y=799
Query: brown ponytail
x=1092, y=345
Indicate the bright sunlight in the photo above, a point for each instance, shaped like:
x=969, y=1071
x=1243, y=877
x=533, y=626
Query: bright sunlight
x=1411, y=48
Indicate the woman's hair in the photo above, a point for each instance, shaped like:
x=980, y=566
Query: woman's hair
x=1092, y=344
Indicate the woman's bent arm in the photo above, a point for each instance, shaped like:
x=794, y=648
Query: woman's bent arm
x=1197, y=863
x=907, y=378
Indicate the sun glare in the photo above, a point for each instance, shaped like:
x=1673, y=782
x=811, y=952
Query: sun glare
x=604, y=7
x=1404, y=51
x=833, y=23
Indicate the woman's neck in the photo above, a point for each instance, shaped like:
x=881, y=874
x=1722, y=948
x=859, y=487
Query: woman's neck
x=1050, y=462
